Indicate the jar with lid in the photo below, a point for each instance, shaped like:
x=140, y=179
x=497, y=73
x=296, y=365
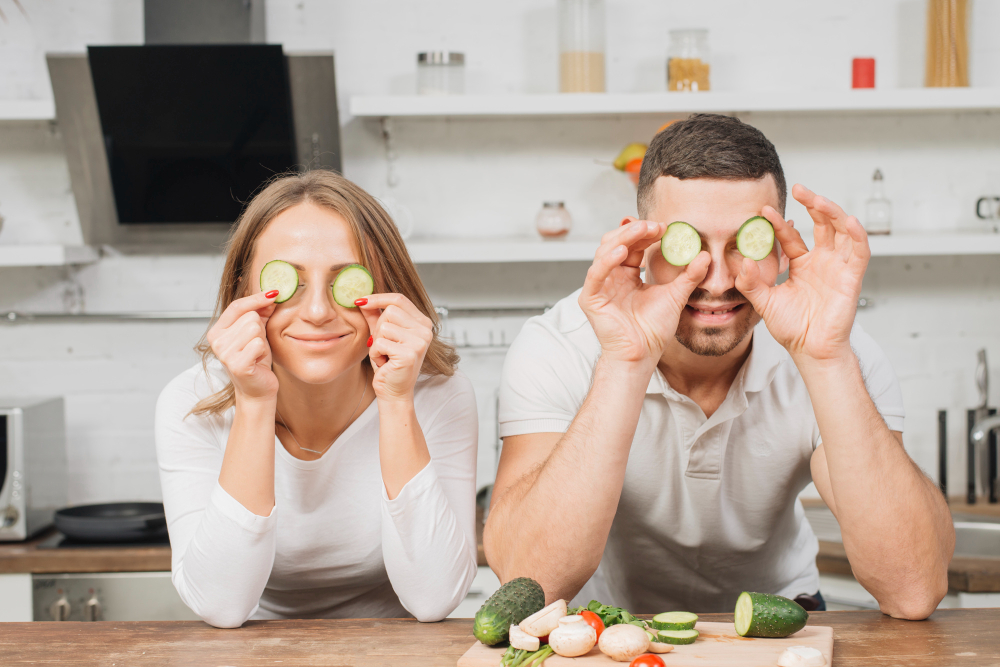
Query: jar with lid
x=440, y=73
x=581, y=46
x=687, y=60
x=553, y=221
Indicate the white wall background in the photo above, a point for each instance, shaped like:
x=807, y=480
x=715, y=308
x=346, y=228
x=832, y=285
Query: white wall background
x=483, y=178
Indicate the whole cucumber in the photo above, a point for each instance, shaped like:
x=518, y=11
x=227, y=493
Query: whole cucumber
x=512, y=603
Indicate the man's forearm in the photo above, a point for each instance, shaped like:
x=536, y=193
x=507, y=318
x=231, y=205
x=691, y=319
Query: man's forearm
x=553, y=523
x=896, y=526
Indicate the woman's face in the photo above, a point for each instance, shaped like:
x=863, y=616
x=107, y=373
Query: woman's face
x=312, y=337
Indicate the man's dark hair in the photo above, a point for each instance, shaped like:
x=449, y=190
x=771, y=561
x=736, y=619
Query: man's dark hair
x=710, y=146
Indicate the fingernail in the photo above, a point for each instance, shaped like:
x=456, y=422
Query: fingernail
x=270, y=295
x=361, y=302
x=651, y=226
x=371, y=339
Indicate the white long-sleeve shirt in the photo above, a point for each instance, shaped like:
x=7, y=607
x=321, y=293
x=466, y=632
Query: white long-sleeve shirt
x=334, y=545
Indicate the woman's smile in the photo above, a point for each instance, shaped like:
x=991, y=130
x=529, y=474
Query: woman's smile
x=319, y=341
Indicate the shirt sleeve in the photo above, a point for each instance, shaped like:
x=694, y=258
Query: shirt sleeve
x=222, y=553
x=429, y=529
x=880, y=378
x=545, y=380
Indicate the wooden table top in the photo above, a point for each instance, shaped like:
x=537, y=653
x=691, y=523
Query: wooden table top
x=966, y=637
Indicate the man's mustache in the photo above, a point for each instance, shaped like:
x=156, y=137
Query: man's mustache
x=703, y=297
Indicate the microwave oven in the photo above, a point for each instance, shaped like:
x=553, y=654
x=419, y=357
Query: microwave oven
x=32, y=465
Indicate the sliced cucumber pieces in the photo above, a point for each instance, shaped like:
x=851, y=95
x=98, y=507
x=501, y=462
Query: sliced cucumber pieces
x=677, y=636
x=281, y=276
x=681, y=244
x=674, y=620
x=351, y=284
x=755, y=238
x=765, y=615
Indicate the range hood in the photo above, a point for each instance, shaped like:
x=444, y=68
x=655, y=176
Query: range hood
x=165, y=143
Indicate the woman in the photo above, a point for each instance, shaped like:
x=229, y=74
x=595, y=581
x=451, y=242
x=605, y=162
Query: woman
x=320, y=462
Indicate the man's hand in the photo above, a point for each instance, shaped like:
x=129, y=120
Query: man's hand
x=812, y=312
x=633, y=320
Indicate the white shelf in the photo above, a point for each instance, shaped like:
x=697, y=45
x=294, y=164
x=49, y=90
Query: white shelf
x=500, y=251
x=901, y=100
x=497, y=251
x=46, y=255
x=27, y=110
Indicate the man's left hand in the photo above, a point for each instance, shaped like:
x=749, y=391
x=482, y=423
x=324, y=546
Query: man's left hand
x=811, y=313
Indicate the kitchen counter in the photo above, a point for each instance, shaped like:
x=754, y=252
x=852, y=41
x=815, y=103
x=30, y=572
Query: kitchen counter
x=966, y=575
x=966, y=637
x=29, y=558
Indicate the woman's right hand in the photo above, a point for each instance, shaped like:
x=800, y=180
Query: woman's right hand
x=239, y=341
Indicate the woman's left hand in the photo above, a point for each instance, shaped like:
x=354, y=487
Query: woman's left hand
x=400, y=336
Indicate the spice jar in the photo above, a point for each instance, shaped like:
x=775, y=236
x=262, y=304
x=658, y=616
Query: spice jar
x=440, y=73
x=687, y=60
x=581, y=46
x=553, y=221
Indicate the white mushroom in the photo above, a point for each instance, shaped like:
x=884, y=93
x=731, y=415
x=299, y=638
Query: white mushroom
x=521, y=639
x=572, y=639
x=801, y=656
x=623, y=642
x=660, y=647
x=566, y=620
x=545, y=620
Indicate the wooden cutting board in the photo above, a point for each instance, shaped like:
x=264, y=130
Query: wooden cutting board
x=718, y=644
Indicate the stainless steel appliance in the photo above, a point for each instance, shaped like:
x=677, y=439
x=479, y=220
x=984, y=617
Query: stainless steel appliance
x=114, y=596
x=32, y=465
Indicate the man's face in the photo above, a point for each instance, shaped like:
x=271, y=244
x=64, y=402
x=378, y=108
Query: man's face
x=717, y=317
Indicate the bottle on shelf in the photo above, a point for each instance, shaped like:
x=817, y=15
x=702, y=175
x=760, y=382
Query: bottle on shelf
x=553, y=221
x=581, y=46
x=878, y=209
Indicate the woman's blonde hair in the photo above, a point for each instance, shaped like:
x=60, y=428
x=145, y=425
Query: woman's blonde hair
x=381, y=248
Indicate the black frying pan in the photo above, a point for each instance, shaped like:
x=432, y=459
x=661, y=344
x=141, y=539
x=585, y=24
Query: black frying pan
x=112, y=522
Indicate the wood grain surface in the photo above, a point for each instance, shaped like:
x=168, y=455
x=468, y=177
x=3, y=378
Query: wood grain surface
x=963, y=637
x=718, y=644
x=26, y=557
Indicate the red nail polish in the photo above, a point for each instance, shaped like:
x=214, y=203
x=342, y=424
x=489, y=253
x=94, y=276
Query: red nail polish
x=361, y=302
x=270, y=295
x=371, y=340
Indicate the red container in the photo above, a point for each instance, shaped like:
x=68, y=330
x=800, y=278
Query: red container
x=863, y=73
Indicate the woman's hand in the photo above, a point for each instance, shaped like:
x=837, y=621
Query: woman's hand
x=239, y=341
x=812, y=312
x=400, y=336
x=634, y=320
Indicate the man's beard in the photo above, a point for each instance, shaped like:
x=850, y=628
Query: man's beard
x=718, y=341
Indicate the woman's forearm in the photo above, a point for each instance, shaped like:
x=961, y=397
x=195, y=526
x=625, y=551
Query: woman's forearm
x=248, y=466
x=402, y=448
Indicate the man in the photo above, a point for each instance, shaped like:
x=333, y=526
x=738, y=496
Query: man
x=656, y=437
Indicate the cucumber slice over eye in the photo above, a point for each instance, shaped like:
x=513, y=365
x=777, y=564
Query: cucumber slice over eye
x=351, y=284
x=681, y=244
x=281, y=276
x=755, y=238
x=674, y=620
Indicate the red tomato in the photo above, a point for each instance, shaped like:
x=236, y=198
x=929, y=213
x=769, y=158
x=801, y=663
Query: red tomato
x=543, y=640
x=648, y=660
x=594, y=621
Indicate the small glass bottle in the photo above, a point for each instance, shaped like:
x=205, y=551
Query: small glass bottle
x=440, y=73
x=687, y=61
x=553, y=221
x=878, y=209
x=581, y=46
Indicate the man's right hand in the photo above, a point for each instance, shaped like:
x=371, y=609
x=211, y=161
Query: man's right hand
x=239, y=341
x=633, y=320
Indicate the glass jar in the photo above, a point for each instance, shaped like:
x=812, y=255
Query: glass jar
x=553, y=221
x=440, y=73
x=581, y=46
x=687, y=60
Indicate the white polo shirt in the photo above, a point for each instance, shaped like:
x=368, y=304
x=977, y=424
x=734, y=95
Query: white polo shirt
x=709, y=506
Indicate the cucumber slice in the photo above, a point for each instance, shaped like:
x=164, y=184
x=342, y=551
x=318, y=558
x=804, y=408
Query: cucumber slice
x=755, y=238
x=351, y=284
x=764, y=615
x=281, y=276
x=674, y=620
x=677, y=636
x=681, y=244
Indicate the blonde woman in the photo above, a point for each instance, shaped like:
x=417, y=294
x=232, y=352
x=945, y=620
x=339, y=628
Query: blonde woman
x=320, y=462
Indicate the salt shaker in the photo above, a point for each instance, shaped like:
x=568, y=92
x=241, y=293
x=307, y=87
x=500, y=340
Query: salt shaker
x=553, y=221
